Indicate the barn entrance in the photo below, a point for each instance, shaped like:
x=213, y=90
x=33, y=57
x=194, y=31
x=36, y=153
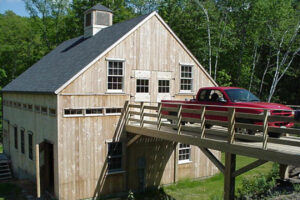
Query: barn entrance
x=46, y=163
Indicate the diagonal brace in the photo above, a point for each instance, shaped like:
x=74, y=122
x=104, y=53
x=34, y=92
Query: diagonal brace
x=249, y=167
x=213, y=159
x=135, y=138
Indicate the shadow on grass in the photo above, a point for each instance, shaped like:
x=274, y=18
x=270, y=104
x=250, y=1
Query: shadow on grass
x=157, y=194
x=9, y=191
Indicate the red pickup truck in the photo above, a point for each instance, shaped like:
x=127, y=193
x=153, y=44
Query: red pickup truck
x=232, y=96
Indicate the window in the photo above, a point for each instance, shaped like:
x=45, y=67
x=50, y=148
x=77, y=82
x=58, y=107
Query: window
x=19, y=105
x=114, y=156
x=25, y=106
x=30, y=107
x=30, y=148
x=94, y=111
x=37, y=109
x=52, y=112
x=113, y=111
x=184, y=153
x=44, y=110
x=115, y=76
x=16, y=136
x=73, y=112
x=163, y=86
x=22, y=141
x=88, y=19
x=142, y=86
x=186, y=78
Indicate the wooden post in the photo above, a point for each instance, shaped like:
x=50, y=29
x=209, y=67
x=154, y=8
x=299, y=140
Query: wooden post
x=37, y=165
x=231, y=125
x=265, y=129
x=159, y=116
x=229, y=179
x=142, y=114
x=202, y=118
x=284, y=172
x=175, y=162
x=179, y=117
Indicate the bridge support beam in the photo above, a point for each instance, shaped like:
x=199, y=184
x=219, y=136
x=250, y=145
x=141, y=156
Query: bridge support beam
x=229, y=179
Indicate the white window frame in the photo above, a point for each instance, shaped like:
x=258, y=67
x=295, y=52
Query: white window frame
x=76, y=115
x=108, y=60
x=97, y=114
x=110, y=114
x=190, y=153
x=191, y=78
x=136, y=85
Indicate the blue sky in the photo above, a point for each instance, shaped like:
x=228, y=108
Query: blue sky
x=18, y=6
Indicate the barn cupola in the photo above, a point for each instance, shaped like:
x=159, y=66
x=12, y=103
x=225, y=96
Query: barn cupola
x=95, y=19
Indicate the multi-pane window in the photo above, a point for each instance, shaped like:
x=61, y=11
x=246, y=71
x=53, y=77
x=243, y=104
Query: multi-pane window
x=16, y=136
x=73, y=112
x=114, y=156
x=186, y=77
x=37, y=109
x=30, y=147
x=30, y=107
x=142, y=86
x=115, y=75
x=23, y=141
x=44, y=110
x=184, y=153
x=52, y=112
x=94, y=111
x=113, y=111
x=163, y=86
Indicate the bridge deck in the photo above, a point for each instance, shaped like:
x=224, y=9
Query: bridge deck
x=217, y=140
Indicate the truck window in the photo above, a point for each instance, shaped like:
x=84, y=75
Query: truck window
x=202, y=95
x=215, y=95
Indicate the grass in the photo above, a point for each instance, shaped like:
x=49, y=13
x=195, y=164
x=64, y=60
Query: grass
x=9, y=191
x=212, y=188
x=1, y=148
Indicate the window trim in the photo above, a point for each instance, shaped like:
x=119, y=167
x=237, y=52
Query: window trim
x=192, y=78
x=112, y=114
x=93, y=115
x=186, y=160
x=108, y=60
x=75, y=115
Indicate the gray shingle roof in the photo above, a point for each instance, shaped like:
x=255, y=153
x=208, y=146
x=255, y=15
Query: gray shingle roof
x=99, y=7
x=64, y=62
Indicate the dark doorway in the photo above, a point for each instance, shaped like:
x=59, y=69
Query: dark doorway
x=47, y=167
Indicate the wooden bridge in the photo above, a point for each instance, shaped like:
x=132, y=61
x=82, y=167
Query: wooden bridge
x=148, y=120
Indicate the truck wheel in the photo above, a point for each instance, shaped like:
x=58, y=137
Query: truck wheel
x=244, y=131
x=275, y=135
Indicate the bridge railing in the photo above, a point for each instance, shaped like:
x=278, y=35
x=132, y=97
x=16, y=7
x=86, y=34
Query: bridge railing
x=177, y=116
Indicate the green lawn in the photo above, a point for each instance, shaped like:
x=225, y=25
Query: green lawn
x=9, y=191
x=212, y=188
x=1, y=148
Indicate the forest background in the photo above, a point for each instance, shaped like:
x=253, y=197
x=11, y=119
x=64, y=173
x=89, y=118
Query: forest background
x=253, y=44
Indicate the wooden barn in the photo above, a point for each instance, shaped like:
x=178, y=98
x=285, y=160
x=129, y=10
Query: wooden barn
x=60, y=117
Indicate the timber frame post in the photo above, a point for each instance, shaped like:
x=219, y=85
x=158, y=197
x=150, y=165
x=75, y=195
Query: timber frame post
x=229, y=178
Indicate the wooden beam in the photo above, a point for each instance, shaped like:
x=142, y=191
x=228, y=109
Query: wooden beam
x=37, y=167
x=249, y=167
x=284, y=172
x=213, y=159
x=135, y=138
x=274, y=155
x=229, y=179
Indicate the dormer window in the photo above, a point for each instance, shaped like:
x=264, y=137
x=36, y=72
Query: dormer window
x=88, y=19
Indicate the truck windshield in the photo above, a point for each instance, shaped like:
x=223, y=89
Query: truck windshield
x=237, y=95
